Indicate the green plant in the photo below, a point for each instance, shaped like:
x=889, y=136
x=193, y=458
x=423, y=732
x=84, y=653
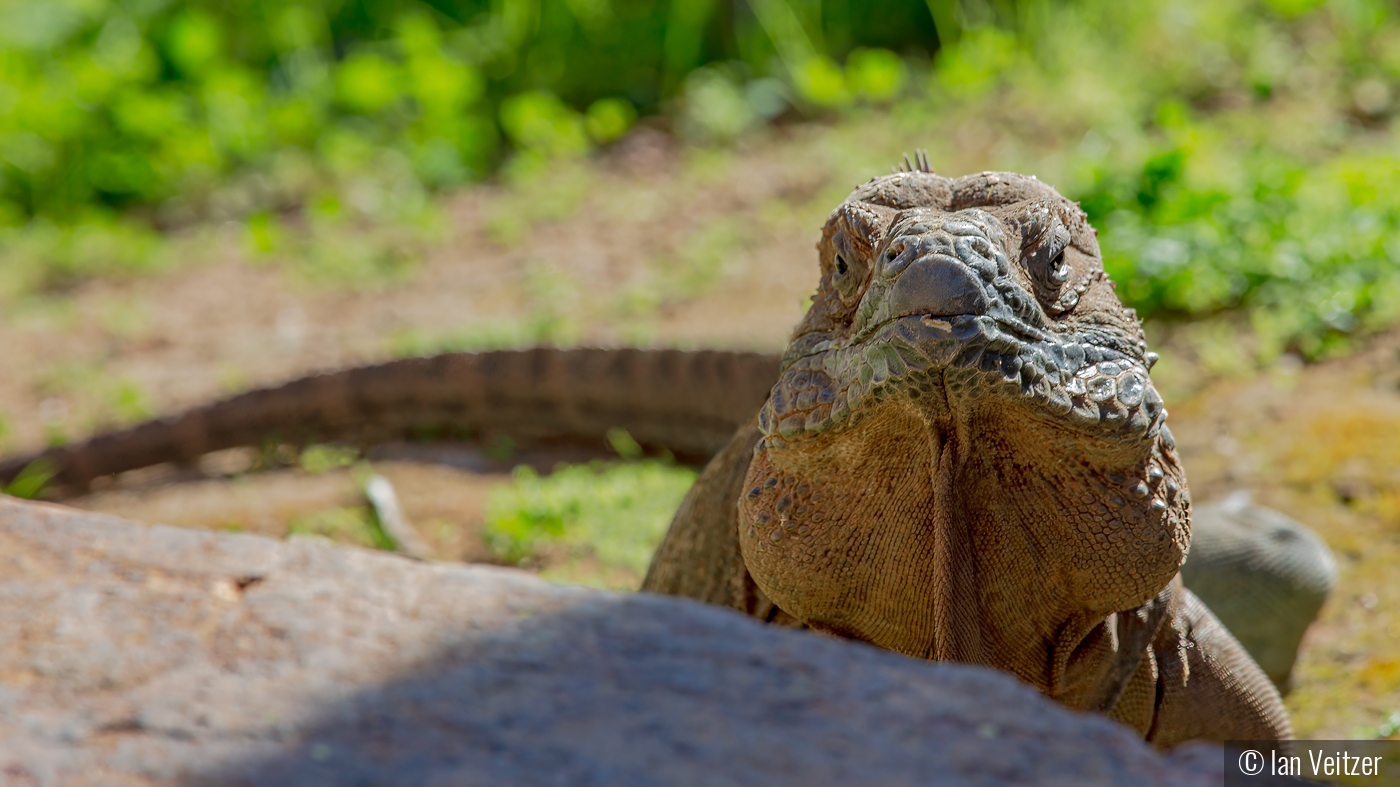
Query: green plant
x=318, y=459
x=593, y=523
x=30, y=482
x=349, y=524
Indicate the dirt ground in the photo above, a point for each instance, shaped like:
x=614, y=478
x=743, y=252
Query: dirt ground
x=668, y=248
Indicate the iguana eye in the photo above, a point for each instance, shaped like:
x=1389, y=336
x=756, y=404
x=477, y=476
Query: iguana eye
x=1043, y=255
x=1058, y=270
x=841, y=266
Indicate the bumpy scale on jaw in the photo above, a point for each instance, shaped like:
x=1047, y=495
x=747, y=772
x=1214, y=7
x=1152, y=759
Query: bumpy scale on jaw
x=976, y=431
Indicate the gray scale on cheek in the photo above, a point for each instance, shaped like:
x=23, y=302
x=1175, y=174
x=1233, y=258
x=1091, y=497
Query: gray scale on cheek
x=1168, y=439
x=968, y=356
x=1102, y=389
x=1131, y=388
x=894, y=360
x=779, y=400
x=792, y=426
x=1139, y=490
x=1113, y=413
x=840, y=409
x=1084, y=414
x=1011, y=367
x=879, y=364
x=1138, y=422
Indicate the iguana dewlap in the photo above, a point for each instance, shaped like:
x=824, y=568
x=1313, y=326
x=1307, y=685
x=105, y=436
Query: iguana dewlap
x=965, y=459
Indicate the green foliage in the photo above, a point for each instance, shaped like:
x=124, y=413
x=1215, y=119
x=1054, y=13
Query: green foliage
x=609, y=118
x=348, y=524
x=1236, y=154
x=611, y=515
x=30, y=482
x=318, y=459
x=1389, y=728
x=876, y=74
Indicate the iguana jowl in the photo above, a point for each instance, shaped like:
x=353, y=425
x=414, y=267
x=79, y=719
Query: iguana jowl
x=965, y=459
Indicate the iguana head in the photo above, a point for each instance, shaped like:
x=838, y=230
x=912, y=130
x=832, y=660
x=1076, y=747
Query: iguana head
x=964, y=452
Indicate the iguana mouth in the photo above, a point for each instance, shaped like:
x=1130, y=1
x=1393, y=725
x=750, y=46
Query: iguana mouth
x=947, y=320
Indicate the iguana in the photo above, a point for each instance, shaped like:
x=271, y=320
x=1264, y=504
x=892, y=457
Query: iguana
x=964, y=458
x=965, y=397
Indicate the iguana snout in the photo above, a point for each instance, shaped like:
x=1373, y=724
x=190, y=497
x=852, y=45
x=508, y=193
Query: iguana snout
x=937, y=273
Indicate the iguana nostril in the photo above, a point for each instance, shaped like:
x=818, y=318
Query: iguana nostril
x=938, y=285
x=895, y=260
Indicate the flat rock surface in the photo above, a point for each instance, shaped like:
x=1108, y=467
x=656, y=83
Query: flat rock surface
x=142, y=655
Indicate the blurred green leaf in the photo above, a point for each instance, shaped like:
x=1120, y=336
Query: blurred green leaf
x=539, y=122
x=875, y=74
x=820, y=81
x=194, y=42
x=610, y=118
x=319, y=459
x=366, y=82
x=30, y=482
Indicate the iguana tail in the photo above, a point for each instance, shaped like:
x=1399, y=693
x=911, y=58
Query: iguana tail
x=687, y=402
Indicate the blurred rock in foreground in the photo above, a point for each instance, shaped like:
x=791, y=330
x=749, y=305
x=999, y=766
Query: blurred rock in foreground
x=139, y=655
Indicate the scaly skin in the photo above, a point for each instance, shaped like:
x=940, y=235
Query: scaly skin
x=965, y=459
x=687, y=402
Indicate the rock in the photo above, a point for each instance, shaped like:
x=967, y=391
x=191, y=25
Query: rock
x=1264, y=575
x=144, y=655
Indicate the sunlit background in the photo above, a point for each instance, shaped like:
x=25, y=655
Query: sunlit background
x=201, y=197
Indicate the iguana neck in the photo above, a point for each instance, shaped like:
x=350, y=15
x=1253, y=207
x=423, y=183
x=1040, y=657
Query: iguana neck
x=962, y=539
